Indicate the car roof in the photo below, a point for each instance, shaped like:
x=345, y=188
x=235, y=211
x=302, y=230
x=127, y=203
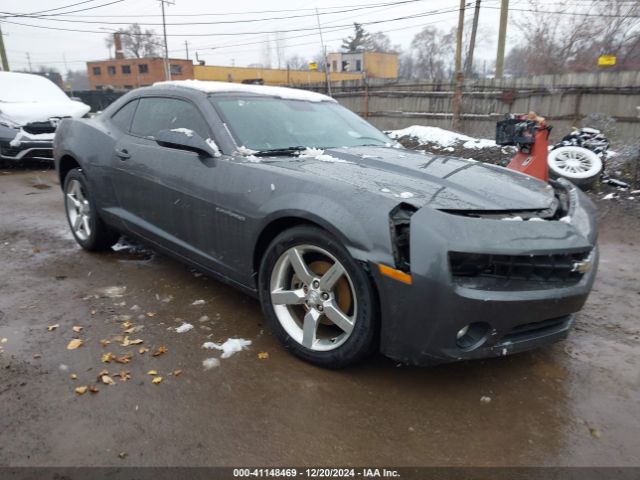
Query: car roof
x=227, y=87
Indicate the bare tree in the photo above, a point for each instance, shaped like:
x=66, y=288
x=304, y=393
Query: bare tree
x=296, y=62
x=569, y=40
x=432, y=52
x=266, y=52
x=137, y=43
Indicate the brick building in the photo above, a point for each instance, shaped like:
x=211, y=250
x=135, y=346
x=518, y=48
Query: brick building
x=128, y=73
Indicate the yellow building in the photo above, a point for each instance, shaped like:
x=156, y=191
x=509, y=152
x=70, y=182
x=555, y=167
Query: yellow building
x=374, y=64
x=267, y=76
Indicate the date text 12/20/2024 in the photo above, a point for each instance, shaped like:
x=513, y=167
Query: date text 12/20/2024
x=315, y=473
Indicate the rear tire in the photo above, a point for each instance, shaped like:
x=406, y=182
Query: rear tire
x=318, y=300
x=87, y=227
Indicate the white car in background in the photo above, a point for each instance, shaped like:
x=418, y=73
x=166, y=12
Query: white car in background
x=31, y=107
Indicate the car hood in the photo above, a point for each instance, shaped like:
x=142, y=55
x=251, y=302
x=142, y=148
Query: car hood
x=420, y=179
x=27, y=112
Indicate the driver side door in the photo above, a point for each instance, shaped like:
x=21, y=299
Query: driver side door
x=167, y=195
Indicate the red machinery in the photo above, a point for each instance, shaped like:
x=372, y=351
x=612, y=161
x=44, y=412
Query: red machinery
x=531, y=135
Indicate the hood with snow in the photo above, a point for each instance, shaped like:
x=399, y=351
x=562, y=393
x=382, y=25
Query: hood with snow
x=26, y=98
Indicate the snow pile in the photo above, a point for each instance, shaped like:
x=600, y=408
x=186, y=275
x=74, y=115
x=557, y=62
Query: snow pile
x=186, y=131
x=228, y=348
x=185, y=327
x=424, y=135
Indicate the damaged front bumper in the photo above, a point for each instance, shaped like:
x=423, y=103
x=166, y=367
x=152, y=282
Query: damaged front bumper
x=483, y=287
x=25, y=145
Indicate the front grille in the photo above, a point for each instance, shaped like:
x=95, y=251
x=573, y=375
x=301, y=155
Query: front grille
x=487, y=271
x=36, y=128
x=40, y=153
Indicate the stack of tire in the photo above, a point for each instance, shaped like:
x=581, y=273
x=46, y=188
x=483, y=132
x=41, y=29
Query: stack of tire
x=579, y=157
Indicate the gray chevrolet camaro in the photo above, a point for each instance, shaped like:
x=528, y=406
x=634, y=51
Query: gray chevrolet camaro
x=352, y=244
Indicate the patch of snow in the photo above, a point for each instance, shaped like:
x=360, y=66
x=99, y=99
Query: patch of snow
x=210, y=363
x=318, y=154
x=634, y=191
x=479, y=143
x=273, y=187
x=512, y=219
x=424, y=134
x=609, y=196
x=227, y=87
x=111, y=292
x=405, y=195
x=214, y=146
x=631, y=198
x=385, y=190
x=245, y=152
x=228, y=348
x=186, y=131
x=566, y=219
x=30, y=137
x=63, y=367
x=485, y=399
x=185, y=327
x=198, y=302
x=536, y=219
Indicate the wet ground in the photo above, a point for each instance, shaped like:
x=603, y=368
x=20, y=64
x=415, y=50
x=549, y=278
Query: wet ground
x=574, y=403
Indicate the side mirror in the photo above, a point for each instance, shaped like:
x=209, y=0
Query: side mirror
x=185, y=139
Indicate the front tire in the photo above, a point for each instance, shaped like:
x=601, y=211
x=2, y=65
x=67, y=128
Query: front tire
x=87, y=227
x=318, y=300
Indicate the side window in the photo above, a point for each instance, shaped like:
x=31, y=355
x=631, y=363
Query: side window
x=154, y=114
x=122, y=118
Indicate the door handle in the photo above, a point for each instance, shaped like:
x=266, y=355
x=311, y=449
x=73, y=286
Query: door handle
x=123, y=154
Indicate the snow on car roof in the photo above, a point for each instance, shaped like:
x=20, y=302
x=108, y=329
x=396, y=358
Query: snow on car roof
x=226, y=87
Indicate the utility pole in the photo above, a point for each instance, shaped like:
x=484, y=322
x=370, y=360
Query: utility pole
x=29, y=61
x=457, y=94
x=468, y=64
x=3, y=53
x=167, y=69
x=502, y=36
x=186, y=47
x=324, y=56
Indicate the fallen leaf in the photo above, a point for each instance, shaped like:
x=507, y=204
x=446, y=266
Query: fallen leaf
x=125, y=342
x=124, y=375
x=177, y=372
x=4, y=340
x=93, y=312
x=595, y=433
x=77, y=328
x=37, y=355
x=126, y=358
x=142, y=350
x=81, y=390
x=161, y=349
x=73, y=344
x=151, y=314
x=105, y=342
x=152, y=372
x=123, y=455
x=126, y=325
x=73, y=376
x=107, y=380
x=156, y=380
x=263, y=355
x=129, y=330
x=51, y=328
x=107, y=357
x=93, y=389
x=137, y=341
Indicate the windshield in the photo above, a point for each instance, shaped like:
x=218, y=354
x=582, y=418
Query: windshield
x=265, y=123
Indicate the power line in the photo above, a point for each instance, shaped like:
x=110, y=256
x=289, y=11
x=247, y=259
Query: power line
x=28, y=15
x=38, y=17
x=210, y=14
x=568, y=13
x=62, y=8
x=226, y=34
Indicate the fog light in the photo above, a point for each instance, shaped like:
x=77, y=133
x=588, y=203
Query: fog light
x=462, y=332
x=472, y=336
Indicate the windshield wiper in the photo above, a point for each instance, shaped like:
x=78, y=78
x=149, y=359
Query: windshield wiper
x=280, y=151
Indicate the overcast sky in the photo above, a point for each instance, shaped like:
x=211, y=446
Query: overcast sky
x=232, y=43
